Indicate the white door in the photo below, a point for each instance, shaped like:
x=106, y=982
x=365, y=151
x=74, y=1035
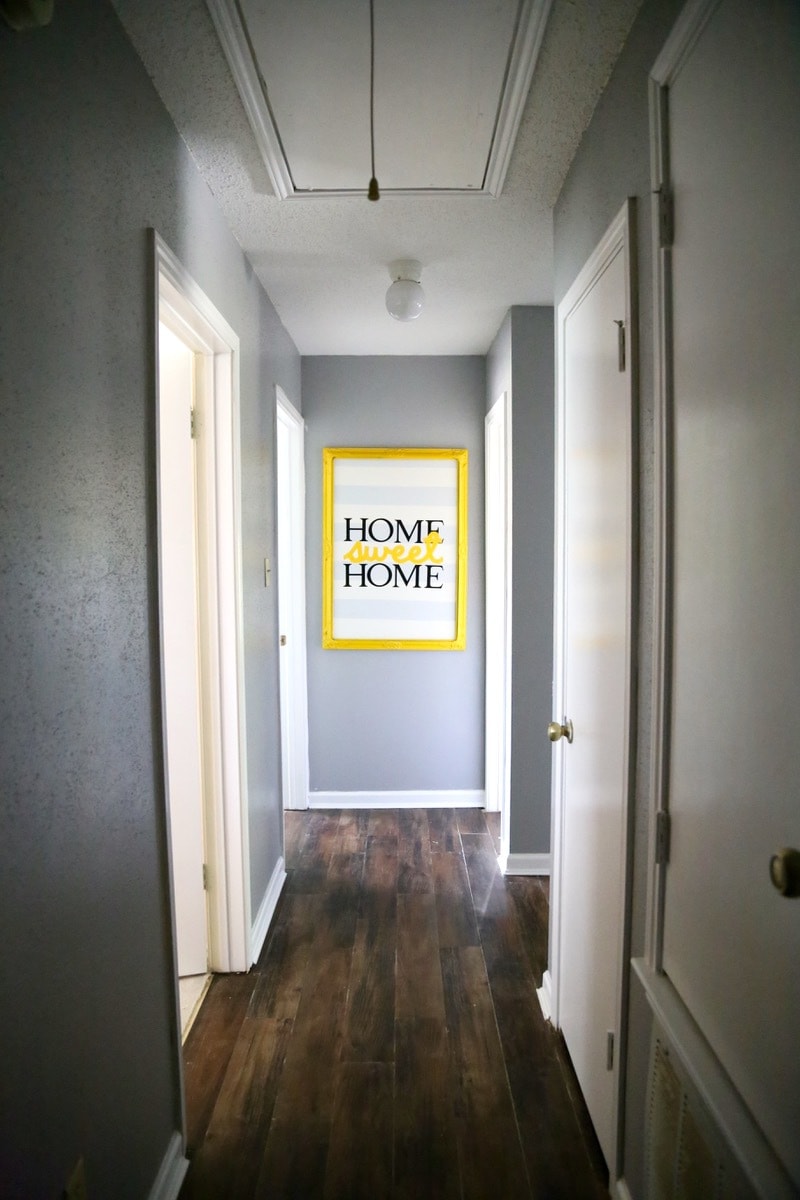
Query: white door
x=593, y=631
x=292, y=604
x=180, y=634
x=731, y=942
x=498, y=613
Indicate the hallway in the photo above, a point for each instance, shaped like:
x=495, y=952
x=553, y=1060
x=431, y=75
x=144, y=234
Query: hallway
x=389, y=1042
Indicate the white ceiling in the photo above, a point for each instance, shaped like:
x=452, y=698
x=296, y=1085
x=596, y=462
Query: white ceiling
x=323, y=260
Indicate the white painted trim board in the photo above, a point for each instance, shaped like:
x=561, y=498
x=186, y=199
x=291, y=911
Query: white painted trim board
x=266, y=910
x=171, y=1173
x=468, y=798
x=525, y=864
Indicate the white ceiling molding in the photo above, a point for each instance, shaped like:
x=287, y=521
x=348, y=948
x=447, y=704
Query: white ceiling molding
x=252, y=89
x=525, y=51
x=512, y=92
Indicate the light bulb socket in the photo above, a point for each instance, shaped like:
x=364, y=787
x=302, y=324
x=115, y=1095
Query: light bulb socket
x=373, y=191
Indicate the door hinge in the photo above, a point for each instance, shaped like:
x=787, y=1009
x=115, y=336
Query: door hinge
x=666, y=218
x=610, y=1050
x=620, y=345
x=662, y=837
x=193, y=422
x=205, y=877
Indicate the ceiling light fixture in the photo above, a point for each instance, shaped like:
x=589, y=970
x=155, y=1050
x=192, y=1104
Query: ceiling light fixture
x=405, y=297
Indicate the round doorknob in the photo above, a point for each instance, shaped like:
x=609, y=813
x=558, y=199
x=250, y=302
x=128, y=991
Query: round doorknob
x=556, y=731
x=784, y=871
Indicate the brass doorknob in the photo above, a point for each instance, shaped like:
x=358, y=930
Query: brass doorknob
x=556, y=731
x=784, y=871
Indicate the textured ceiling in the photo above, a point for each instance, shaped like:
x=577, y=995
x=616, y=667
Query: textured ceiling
x=324, y=261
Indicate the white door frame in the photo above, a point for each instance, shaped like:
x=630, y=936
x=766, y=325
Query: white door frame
x=620, y=235
x=185, y=309
x=291, y=490
x=498, y=583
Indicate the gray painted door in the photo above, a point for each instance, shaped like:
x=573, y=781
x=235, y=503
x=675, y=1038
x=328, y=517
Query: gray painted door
x=731, y=942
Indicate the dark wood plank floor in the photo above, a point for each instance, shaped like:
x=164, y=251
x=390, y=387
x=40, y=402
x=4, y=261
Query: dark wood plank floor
x=389, y=1043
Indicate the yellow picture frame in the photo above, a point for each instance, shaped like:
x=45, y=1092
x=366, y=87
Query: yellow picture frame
x=394, y=548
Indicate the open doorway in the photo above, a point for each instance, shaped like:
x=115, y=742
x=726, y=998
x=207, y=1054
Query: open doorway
x=201, y=656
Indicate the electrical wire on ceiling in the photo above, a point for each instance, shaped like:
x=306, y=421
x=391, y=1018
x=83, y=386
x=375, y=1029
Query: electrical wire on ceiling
x=373, y=192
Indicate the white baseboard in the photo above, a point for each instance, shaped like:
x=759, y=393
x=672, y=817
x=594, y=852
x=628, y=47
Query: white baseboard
x=266, y=910
x=172, y=1171
x=420, y=799
x=525, y=864
x=544, y=995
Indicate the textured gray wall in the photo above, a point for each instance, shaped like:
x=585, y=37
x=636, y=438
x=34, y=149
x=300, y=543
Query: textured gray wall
x=403, y=719
x=520, y=361
x=90, y=160
x=613, y=162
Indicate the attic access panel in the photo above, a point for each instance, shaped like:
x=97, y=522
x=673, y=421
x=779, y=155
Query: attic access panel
x=451, y=80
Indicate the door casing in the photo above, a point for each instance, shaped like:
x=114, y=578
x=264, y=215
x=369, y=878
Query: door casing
x=499, y=533
x=290, y=437
x=186, y=310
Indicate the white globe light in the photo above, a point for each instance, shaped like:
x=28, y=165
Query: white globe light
x=404, y=300
x=405, y=297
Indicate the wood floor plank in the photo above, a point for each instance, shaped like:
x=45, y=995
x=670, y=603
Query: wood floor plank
x=359, y=1164
x=443, y=831
x=482, y=867
x=426, y=1145
x=283, y=963
x=419, y=973
x=228, y=1160
x=492, y=821
x=533, y=911
x=454, y=912
x=209, y=1046
x=369, y=1024
x=490, y=1151
x=471, y=820
x=294, y=832
x=294, y=1161
x=354, y=830
x=383, y=823
x=414, y=851
x=311, y=872
x=308, y=1083
x=379, y=886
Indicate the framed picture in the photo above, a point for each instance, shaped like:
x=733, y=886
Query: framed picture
x=394, y=570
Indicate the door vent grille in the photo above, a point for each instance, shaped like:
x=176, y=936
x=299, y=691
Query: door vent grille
x=686, y=1157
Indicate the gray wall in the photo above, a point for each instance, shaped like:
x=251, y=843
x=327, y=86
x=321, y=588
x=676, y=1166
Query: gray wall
x=90, y=160
x=520, y=361
x=403, y=719
x=613, y=162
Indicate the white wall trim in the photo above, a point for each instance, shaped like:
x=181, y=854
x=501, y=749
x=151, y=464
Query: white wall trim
x=544, y=995
x=413, y=799
x=525, y=864
x=171, y=1173
x=266, y=910
x=291, y=543
x=620, y=1190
